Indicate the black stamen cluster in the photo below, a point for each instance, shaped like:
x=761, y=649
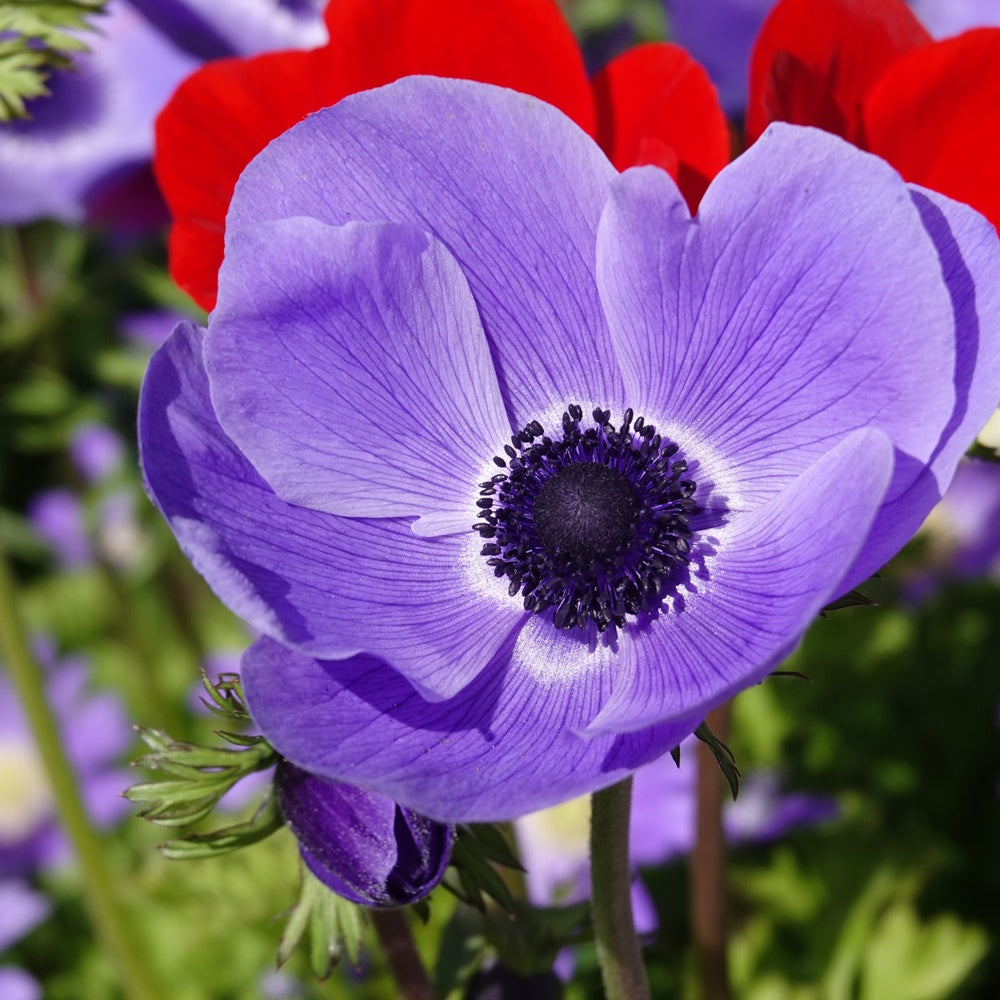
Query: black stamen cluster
x=593, y=524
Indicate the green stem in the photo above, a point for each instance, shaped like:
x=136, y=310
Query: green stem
x=618, y=948
x=112, y=924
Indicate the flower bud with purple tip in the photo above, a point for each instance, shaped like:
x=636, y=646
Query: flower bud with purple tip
x=363, y=846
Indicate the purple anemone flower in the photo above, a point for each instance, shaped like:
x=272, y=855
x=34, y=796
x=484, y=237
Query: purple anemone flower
x=361, y=845
x=85, y=149
x=518, y=469
x=214, y=29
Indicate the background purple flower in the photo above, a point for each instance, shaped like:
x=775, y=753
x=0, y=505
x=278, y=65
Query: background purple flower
x=213, y=29
x=96, y=733
x=97, y=451
x=404, y=313
x=950, y=17
x=554, y=843
x=962, y=533
x=96, y=126
x=57, y=516
x=16, y=984
x=21, y=909
x=720, y=34
x=149, y=329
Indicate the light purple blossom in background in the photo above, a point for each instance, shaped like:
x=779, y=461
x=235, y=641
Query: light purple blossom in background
x=16, y=984
x=962, y=533
x=518, y=469
x=96, y=734
x=120, y=536
x=96, y=451
x=57, y=517
x=86, y=148
x=213, y=29
x=720, y=34
x=968, y=520
x=554, y=843
x=951, y=17
x=21, y=910
x=150, y=328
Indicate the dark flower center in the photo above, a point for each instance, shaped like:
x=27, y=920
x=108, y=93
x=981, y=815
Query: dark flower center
x=594, y=523
x=586, y=510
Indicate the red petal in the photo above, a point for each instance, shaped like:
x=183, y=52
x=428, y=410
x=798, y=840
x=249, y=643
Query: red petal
x=655, y=104
x=217, y=121
x=814, y=60
x=522, y=44
x=224, y=114
x=935, y=116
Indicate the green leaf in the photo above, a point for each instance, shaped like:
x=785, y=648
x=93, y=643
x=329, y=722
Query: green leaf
x=43, y=38
x=471, y=875
x=529, y=943
x=910, y=960
x=333, y=926
x=22, y=76
x=48, y=22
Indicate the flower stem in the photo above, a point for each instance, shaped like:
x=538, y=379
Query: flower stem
x=408, y=970
x=708, y=869
x=112, y=924
x=618, y=948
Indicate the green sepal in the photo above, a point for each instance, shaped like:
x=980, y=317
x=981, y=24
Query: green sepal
x=333, y=925
x=852, y=599
x=225, y=696
x=723, y=755
x=197, y=777
x=266, y=819
x=239, y=739
x=797, y=674
x=471, y=875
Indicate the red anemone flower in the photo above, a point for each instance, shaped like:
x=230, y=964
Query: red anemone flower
x=654, y=104
x=868, y=70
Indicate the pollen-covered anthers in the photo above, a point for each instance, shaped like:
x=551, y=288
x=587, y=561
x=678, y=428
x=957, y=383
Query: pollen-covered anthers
x=591, y=522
